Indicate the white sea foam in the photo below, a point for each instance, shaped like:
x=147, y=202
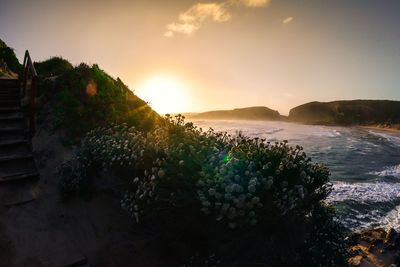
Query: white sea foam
x=392, y=219
x=391, y=171
x=365, y=192
x=272, y=131
x=393, y=138
x=325, y=132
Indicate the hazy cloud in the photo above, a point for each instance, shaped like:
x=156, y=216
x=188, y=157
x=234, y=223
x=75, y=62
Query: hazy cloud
x=253, y=3
x=287, y=20
x=288, y=94
x=192, y=19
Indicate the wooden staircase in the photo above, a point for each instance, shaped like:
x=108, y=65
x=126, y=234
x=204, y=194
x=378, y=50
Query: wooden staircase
x=16, y=159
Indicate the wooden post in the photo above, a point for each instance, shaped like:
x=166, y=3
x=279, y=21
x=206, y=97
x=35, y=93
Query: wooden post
x=32, y=107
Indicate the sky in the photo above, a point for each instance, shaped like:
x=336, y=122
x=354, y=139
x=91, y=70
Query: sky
x=191, y=56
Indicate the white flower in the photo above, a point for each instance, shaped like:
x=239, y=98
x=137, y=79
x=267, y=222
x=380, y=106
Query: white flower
x=268, y=184
x=251, y=188
x=228, y=189
x=255, y=200
x=225, y=207
x=211, y=191
x=161, y=173
x=206, y=203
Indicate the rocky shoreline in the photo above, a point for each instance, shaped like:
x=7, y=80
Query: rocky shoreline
x=375, y=248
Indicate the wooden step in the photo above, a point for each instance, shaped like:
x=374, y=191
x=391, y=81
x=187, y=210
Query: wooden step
x=76, y=261
x=13, y=93
x=18, y=123
x=12, y=116
x=9, y=92
x=11, y=108
x=11, y=129
x=10, y=103
x=14, y=194
x=6, y=90
x=10, y=89
x=5, y=113
x=9, y=84
x=14, y=147
x=14, y=157
x=19, y=202
x=10, y=97
x=15, y=164
x=12, y=142
x=19, y=176
x=12, y=133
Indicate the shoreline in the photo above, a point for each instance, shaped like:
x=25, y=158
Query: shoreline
x=395, y=129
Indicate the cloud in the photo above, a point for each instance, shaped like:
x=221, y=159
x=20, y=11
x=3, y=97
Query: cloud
x=192, y=19
x=253, y=3
x=288, y=94
x=287, y=20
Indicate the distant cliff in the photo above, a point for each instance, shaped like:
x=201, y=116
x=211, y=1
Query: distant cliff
x=352, y=112
x=250, y=113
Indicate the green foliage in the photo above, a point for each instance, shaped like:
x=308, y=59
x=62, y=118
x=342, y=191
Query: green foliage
x=53, y=67
x=85, y=97
x=243, y=200
x=8, y=55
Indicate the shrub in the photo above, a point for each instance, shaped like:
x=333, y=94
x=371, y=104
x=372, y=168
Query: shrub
x=53, y=67
x=8, y=55
x=86, y=97
x=244, y=200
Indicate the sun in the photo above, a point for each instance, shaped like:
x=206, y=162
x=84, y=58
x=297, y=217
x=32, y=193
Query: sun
x=164, y=93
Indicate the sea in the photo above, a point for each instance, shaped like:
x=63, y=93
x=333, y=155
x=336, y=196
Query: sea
x=364, y=165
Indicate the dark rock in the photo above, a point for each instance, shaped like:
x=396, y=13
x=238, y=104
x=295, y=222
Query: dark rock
x=390, y=239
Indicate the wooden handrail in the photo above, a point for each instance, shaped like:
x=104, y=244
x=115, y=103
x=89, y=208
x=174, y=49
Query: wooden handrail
x=30, y=71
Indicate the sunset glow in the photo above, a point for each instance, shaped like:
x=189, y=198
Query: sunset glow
x=164, y=93
x=222, y=54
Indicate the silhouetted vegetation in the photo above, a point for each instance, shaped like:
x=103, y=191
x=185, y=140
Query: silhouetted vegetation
x=216, y=197
x=7, y=54
x=53, y=67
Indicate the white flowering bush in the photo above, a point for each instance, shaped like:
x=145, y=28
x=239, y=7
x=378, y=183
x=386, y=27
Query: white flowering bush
x=244, y=199
x=241, y=182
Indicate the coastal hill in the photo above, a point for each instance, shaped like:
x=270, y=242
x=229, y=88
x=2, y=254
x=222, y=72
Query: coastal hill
x=351, y=112
x=249, y=113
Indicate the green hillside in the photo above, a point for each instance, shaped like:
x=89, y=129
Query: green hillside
x=81, y=98
x=250, y=113
x=352, y=112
